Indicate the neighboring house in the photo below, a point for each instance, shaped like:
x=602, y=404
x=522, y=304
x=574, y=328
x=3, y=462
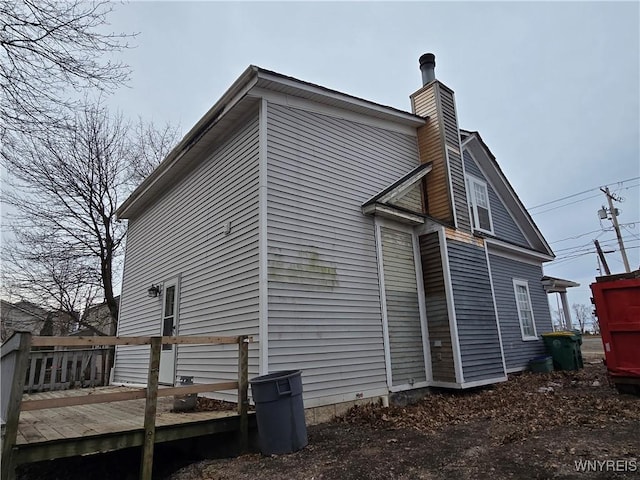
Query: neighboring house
x=28, y=317
x=376, y=250
x=21, y=316
x=99, y=317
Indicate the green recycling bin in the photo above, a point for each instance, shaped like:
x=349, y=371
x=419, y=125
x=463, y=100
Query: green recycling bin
x=564, y=348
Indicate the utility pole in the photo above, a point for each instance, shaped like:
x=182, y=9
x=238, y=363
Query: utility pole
x=614, y=219
x=601, y=258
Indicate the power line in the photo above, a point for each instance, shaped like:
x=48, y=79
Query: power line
x=579, y=200
x=580, y=193
x=565, y=204
x=579, y=235
x=576, y=255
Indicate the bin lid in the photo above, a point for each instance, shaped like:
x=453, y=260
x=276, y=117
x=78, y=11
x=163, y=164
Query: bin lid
x=560, y=334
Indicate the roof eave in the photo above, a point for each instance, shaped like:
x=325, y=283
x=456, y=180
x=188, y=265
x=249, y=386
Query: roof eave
x=242, y=84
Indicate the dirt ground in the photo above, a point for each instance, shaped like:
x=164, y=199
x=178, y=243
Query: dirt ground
x=535, y=426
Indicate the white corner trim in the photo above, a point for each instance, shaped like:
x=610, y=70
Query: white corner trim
x=263, y=278
x=383, y=303
x=495, y=309
x=453, y=325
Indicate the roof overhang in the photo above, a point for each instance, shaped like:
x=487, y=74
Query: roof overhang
x=382, y=203
x=236, y=103
x=393, y=213
x=557, y=285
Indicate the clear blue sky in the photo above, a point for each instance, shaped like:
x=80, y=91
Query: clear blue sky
x=553, y=88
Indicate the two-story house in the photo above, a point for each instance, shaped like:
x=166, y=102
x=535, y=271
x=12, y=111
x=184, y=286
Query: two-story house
x=375, y=249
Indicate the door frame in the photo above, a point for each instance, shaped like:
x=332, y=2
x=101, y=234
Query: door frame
x=378, y=223
x=169, y=355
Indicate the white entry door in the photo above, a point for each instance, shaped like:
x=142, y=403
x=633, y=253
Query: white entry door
x=169, y=327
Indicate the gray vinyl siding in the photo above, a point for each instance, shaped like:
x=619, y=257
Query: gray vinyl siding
x=442, y=363
x=403, y=312
x=503, y=270
x=182, y=234
x=504, y=227
x=412, y=200
x=456, y=168
x=475, y=312
x=324, y=297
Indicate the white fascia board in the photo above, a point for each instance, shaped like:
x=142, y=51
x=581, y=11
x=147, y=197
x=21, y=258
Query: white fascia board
x=402, y=189
x=342, y=98
x=508, y=250
x=389, y=212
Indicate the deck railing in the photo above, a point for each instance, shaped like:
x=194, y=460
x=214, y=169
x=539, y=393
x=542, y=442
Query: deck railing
x=15, y=354
x=64, y=369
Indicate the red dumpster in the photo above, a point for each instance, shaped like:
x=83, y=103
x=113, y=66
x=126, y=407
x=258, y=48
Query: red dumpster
x=617, y=302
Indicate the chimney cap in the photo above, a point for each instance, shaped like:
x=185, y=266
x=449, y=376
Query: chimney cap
x=427, y=68
x=427, y=58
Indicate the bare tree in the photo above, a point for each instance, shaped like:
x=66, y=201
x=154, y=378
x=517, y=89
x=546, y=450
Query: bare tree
x=583, y=315
x=51, y=51
x=37, y=270
x=68, y=187
x=557, y=317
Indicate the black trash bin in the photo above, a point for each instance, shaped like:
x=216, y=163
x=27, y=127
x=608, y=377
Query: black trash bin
x=280, y=412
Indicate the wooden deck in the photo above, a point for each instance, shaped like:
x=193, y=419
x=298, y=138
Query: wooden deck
x=57, y=424
x=102, y=427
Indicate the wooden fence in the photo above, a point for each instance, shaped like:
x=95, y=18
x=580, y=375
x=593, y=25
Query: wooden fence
x=15, y=354
x=64, y=369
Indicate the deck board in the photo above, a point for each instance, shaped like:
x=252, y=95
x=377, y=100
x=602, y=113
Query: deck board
x=90, y=428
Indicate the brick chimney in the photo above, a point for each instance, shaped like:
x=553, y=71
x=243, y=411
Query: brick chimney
x=439, y=143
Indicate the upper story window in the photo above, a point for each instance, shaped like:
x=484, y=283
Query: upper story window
x=479, y=208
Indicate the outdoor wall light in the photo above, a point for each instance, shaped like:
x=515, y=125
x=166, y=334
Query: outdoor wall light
x=154, y=291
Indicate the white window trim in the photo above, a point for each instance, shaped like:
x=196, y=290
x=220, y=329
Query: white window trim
x=525, y=284
x=471, y=201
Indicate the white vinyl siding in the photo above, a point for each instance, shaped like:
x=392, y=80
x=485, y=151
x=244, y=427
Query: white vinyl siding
x=479, y=207
x=324, y=297
x=403, y=312
x=218, y=270
x=525, y=311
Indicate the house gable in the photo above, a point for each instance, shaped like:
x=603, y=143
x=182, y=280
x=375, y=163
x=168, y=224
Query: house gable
x=491, y=172
x=504, y=225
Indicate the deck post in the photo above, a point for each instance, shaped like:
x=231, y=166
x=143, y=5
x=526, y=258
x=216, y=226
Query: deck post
x=243, y=391
x=15, y=373
x=146, y=466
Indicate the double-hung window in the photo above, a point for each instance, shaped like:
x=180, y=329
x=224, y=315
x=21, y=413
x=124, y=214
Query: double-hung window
x=479, y=208
x=525, y=310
